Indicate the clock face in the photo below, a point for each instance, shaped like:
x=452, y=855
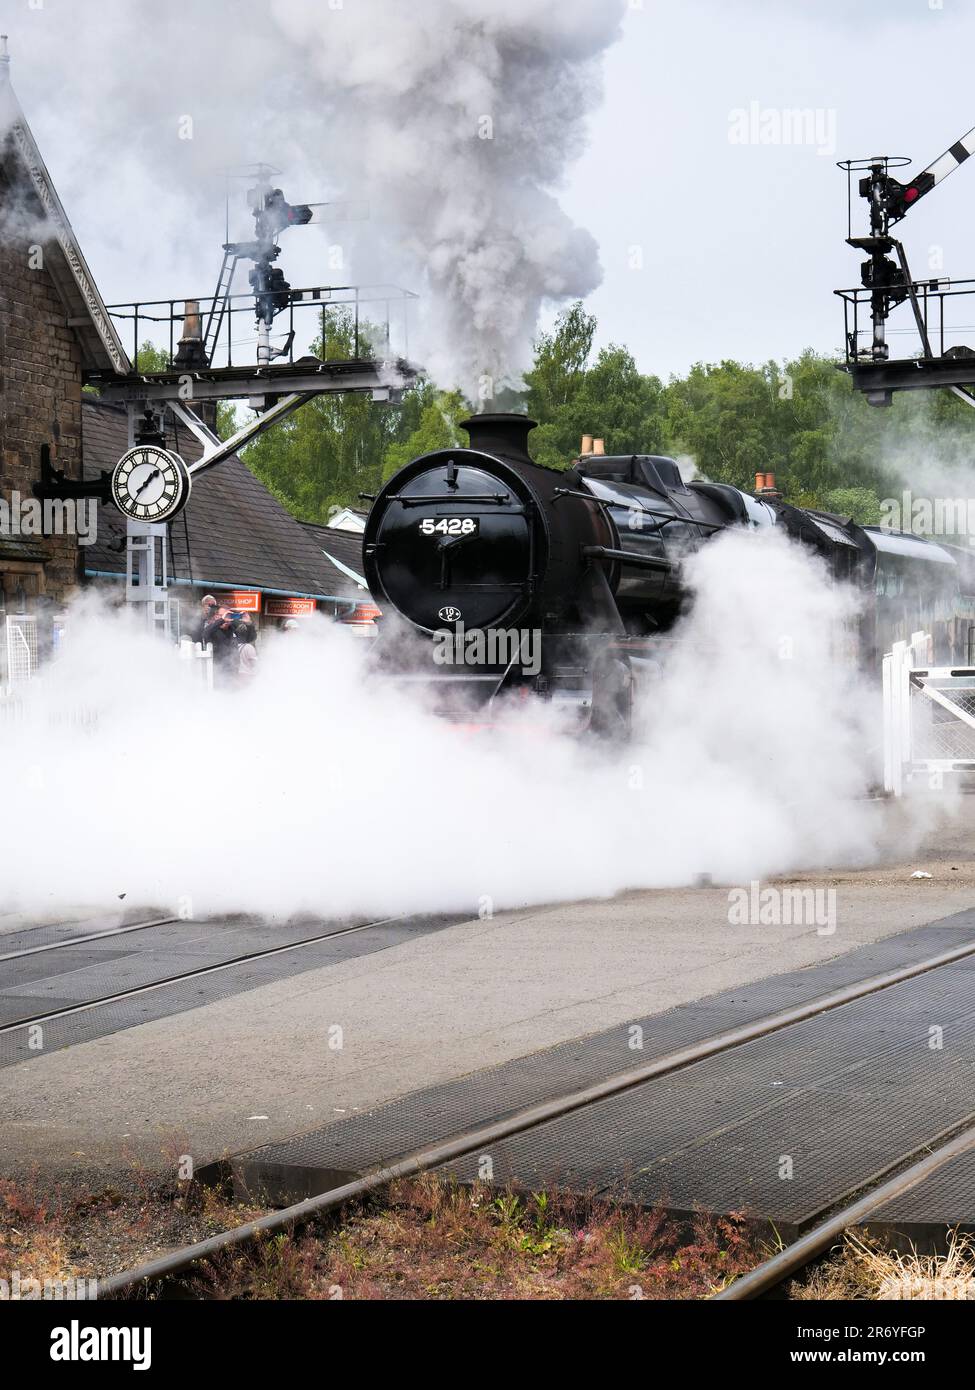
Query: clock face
x=150, y=483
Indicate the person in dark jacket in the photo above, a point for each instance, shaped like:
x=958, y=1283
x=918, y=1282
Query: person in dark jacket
x=208, y=610
x=219, y=633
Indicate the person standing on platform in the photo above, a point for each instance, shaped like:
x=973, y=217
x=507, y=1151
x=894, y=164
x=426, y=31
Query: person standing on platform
x=208, y=609
x=219, y=633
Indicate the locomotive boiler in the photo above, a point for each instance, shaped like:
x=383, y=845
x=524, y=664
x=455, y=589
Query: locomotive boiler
x=521, y=579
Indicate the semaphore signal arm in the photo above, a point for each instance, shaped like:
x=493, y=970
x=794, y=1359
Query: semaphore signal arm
x=886, y=282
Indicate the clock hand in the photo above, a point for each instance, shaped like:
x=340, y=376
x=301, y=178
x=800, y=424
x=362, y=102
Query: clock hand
x=156, y=473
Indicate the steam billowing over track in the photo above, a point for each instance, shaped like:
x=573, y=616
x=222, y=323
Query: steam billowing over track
x=589, y=565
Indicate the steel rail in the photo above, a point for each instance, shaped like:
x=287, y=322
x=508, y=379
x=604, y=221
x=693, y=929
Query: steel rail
x=90, y=936
x=189, y=975
x=472, y=1141
x=795, y=1256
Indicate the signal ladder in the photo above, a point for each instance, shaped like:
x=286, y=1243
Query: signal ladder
x=218, y=306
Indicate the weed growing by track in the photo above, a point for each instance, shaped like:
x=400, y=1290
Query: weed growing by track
x=420, y=1239
x=864, y=1269
x=427, y=1239
x=77, y=1231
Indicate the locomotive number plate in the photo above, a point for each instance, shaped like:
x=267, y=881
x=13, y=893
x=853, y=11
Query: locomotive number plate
x=450, y=526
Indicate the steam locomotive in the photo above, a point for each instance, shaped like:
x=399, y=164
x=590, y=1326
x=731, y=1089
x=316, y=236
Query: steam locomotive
x=529, y=580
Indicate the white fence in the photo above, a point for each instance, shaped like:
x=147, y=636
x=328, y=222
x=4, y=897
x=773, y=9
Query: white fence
x=19, y=662
x=929, y=715
x=201, y=658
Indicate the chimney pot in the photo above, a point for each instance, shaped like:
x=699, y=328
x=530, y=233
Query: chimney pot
x=586, y=445
x=191, y=319
x=190, y=352
x=598, y=446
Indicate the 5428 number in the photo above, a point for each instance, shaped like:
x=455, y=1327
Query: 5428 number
x=449, y=526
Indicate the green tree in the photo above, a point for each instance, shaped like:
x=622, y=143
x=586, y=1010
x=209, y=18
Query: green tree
x=860, y=503
x=801, y=420
x=561, y=358
x=332, y=449
x=149, y=358
x=436, y=428
x=608, y=398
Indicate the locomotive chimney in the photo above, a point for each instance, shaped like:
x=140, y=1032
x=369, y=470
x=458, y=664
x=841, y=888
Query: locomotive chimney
x=505, y=434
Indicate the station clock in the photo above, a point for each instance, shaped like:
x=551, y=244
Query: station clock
x=150, y=484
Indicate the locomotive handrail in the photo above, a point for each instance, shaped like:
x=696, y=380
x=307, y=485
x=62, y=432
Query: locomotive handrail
x=449, y=497
x=664, y=517
x=629, y=557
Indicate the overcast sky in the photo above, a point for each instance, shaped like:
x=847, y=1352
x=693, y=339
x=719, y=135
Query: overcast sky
x=742, y=244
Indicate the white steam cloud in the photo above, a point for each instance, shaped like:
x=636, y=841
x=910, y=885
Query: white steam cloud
x=456, y=120
x=464, y=114
x=320, y=788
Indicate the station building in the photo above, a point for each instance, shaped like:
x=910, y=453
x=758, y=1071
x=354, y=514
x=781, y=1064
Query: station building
x=234, y=539
x=53, y=326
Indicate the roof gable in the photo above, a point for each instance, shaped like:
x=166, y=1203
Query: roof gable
x=342, y=548
x=86, y=312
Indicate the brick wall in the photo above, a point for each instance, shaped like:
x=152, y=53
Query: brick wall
x=40, y=403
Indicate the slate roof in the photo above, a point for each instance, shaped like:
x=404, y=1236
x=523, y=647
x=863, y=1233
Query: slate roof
x=345, y=546
x=237, y=532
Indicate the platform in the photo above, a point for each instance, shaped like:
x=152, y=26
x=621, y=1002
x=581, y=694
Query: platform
x=780, y=1127
x=49, y=981
x=239, y=1058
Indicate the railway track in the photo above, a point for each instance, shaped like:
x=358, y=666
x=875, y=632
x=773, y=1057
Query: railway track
x=772, y=1273
x=88, y=936
x=212, y=968
x=911, y=1168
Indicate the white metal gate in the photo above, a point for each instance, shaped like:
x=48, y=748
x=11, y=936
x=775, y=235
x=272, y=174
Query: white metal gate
x=20, y=643
x=929, y=715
